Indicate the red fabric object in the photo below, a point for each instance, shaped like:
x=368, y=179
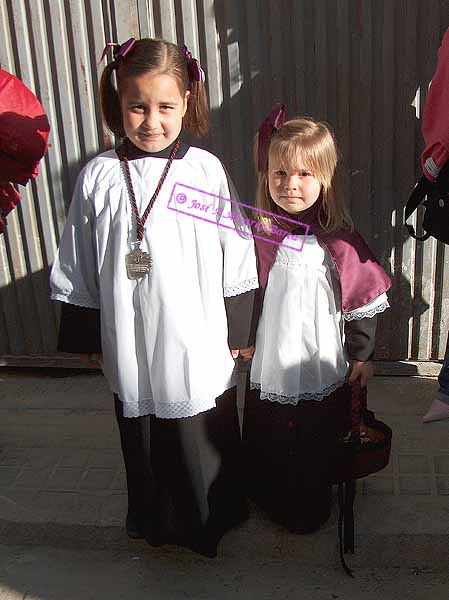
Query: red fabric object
x=436, y=116
x=24, y=131
x=9, y=197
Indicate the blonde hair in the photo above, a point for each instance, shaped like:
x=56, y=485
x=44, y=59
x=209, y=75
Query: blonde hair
x=312, y=144
x=162, y=57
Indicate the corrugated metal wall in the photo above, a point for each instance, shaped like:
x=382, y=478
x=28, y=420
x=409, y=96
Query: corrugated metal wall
x=363, y=65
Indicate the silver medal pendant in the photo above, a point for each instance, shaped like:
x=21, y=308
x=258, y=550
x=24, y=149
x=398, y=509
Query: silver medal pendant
x=138, y=264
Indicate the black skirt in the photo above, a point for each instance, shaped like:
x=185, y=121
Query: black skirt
x=184, y=476
x=288, y=452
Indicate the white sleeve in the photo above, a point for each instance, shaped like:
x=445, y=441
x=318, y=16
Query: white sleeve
x=73, y=277
x=239, y=257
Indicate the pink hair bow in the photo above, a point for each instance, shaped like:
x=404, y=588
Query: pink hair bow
x=198, y=71
x=118, y=50
x=271, y=123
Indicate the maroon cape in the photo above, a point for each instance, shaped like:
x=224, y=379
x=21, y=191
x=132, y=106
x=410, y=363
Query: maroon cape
x=362, y=279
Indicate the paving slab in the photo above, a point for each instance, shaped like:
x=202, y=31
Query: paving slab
x=38, y=573
x=62, y=479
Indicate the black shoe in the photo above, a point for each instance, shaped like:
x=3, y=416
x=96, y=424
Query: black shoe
x=201, y=544
x=133, y=529
x=155, y=539
x=303, y=528
x=207, y=549
x=155, y=535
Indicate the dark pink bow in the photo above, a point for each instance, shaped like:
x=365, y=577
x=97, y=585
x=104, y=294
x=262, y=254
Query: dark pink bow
x=118, y=50
x=272, y=123
x=198, y=71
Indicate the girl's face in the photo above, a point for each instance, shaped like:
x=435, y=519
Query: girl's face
x=294, y=190
x=152, y=109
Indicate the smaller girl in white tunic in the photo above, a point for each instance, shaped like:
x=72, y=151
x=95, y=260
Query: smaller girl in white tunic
x=320, y=292
x=149, y=251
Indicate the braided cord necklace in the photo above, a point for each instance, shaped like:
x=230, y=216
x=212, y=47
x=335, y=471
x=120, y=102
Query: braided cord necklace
x=139, y=263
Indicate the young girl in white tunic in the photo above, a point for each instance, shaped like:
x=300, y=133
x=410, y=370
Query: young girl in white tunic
x=320, y=292
x=173, y=293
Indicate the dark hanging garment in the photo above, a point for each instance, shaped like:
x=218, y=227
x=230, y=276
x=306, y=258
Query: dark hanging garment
x=287, y=449
x=184, y=476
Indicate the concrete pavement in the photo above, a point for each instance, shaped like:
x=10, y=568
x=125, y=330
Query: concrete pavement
x=62, y=481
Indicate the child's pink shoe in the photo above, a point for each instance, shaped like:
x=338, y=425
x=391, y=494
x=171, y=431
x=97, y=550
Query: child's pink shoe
x=437, y=412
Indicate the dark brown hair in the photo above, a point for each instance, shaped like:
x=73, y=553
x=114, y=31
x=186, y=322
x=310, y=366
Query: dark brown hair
x=165, y=58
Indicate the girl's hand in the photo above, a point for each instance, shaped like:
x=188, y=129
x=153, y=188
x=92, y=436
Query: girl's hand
x=361, y=370
x=245, y=353
x=92, y=361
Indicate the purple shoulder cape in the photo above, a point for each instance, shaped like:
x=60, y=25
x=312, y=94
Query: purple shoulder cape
x=362, y=278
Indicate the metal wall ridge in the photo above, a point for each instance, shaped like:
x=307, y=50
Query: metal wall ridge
x=364, y=66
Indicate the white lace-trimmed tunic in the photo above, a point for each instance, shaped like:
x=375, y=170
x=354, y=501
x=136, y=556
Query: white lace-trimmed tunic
x=164, y=337
x=300, y=338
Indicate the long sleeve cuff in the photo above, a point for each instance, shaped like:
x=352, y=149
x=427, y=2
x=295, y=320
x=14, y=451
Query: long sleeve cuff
x=239, y=311
x=360, y=338
x=79, y=330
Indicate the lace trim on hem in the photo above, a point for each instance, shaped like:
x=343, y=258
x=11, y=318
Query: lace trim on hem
x=282, y=399
x=241, y=288
x=358, y=314
x=74, y=299
x=166, y=411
